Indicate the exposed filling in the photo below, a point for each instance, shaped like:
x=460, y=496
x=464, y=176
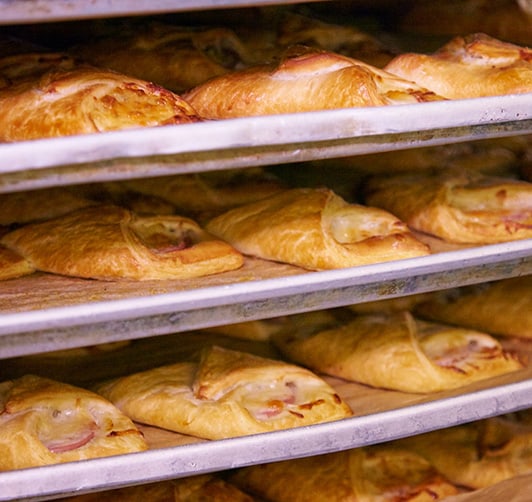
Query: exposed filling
x=66, y=430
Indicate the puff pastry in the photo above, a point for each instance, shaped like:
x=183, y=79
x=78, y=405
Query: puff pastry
x=45, y=422
x=469, y=67
x=85, y=100
x=109, y=242
x=297, y=29
x=316, y=229
x=12, y=265
x=363, y=474
x=464, y=208
x=305, y=80
x=228, y=393
x=501, y=307
x=398, y=352
x=36, y=205
x=175, y=57
x=478, y=454
x=209, y=192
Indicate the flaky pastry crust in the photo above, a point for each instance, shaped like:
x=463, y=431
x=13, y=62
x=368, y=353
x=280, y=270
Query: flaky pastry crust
x=175, y=57
x=469, y=67
x=316, y=229
x=478, y=454
x=226, y=394
x=396, y=351
x=305, y=80
x=361, y=474
x=85, y=100
x=502, y=307
x=464, y=208
x=108, y=242
x=46, y=422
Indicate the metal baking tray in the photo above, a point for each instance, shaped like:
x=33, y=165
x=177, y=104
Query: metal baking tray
x=36, y=11
x=419, y=414
x=140, y=310
x=254, y=141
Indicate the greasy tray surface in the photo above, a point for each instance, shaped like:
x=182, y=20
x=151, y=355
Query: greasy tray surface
x=378, y=416
x=257, y=141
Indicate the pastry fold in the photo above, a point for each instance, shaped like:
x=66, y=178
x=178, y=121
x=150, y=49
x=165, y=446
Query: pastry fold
x=396, y=351
x=316, y=229
x=108, y=242
x=463, y=208
x=477, y=454
x=82, y=100
x=473, y=66
x=362, y=474
x=305, y=80
x=12, y=265
x=227, y=394
x=502, y=307
x=46, y=422
x=175, y=57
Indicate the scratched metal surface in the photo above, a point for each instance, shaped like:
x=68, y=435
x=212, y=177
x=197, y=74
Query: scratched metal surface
x=254, y=141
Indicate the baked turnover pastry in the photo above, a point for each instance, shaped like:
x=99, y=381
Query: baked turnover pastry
x=175, y=57
x=45, y=422
x=396, y=351
x=363, y=474
x=469, y=67
x=108, y=242
x=316, y=229
x=464, y=208
x=501, y=307
x=305, y=80
x=85, y=100
x=477, y=454
x=228, y=393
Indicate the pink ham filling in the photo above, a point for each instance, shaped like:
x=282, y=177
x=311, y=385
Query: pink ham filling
x=276, y=406
x=72, y=441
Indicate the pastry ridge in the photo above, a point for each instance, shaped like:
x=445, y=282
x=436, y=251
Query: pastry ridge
x=305, y=80
x=316, y=229
x=467, y=208
x=227, y=394
x=476, y=65
x=396, y=351
x=48, y=422
x=109, y=242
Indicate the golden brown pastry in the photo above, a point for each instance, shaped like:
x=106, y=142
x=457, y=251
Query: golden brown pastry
x=45, y=422
x=464, y=208
x=85, y=100
x=209, y=192
x=12, y=265
x=509, y=20
x=501, y=307
x=264, y=329
x=316, y=229
x=36, y=205
x=305, y=80
x=108, y=242
x=297, y=29
x=202, y=488
x=396, y=351
x=228, y=393
x=469, y=67
x=478, y=454
x=375, y=473
x=175, y=57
